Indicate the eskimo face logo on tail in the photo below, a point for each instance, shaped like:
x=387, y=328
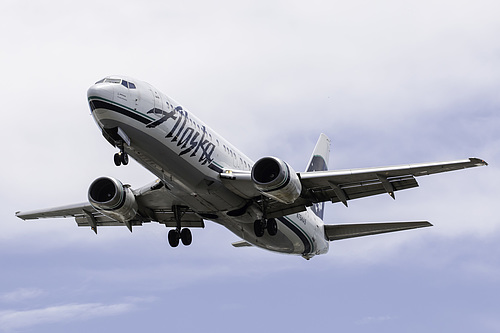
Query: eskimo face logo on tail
x=189, y=138
x=318, y=209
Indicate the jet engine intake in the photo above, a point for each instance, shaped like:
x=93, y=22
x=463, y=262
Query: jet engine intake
x=113, y=199
x=277, y=180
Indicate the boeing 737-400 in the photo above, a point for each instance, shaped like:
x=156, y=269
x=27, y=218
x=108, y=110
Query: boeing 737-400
x=201, y=176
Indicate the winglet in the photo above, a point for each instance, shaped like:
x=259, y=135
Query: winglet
x=478, y=161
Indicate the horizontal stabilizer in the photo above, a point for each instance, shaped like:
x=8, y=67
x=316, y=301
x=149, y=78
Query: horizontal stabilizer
x=343, y=231
x=241, y=244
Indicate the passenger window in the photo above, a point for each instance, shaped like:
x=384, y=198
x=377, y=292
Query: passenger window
x=125, y=83
x=131, y=85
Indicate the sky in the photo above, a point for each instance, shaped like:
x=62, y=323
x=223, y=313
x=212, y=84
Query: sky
x=390, y=82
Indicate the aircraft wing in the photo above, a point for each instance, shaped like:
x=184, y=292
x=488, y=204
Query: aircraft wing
x=345, y=185
x=63, y=211
x=154, y=205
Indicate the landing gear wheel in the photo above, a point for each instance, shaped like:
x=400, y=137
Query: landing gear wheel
x=272, y=227
x=186, y=236
x=118, y=159
x=124, y=158
x=259, y=228
x=173, y=238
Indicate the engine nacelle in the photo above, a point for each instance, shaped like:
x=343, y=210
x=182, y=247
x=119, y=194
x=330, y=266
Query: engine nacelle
x=277, y=180
x=110, y=197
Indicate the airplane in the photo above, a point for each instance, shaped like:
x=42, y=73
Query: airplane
x=201, y=176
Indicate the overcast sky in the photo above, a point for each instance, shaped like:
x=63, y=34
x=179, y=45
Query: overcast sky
x=390, y=82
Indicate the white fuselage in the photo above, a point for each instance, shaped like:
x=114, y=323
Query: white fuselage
x=188, y=157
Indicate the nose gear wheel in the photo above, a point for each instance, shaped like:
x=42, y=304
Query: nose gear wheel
x=121, y=157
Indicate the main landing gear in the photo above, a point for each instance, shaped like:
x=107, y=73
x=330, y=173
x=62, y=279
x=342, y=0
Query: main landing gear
x=121, y=157
x=177, y=234
x=260, y=226
x=184, y=235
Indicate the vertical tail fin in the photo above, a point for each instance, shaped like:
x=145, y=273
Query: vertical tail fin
x=319, y=162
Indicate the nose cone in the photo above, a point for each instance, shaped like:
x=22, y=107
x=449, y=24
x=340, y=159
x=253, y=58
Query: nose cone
x=101, y=91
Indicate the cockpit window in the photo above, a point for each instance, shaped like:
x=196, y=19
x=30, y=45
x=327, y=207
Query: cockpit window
x=124, y=83
x=108, y=80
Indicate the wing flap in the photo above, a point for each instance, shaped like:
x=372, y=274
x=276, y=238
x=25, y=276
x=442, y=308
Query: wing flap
x=348, y=191
x=189, y=219
x=344, y=231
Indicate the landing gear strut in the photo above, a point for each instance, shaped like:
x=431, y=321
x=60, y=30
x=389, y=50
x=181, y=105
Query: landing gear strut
x=121, y=157
x=177, y=234
x=260, y=226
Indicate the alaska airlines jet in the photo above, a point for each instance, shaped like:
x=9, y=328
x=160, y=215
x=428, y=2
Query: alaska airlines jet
x=201, y=176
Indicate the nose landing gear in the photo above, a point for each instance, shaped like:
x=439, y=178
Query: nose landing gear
x=121, y=157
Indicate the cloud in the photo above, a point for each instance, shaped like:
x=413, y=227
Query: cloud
x=21, y=319
x=374, y=319
x=21, y=294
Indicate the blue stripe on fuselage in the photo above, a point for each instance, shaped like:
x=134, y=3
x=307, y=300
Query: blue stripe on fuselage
x=99, y=103
x=300, y=233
